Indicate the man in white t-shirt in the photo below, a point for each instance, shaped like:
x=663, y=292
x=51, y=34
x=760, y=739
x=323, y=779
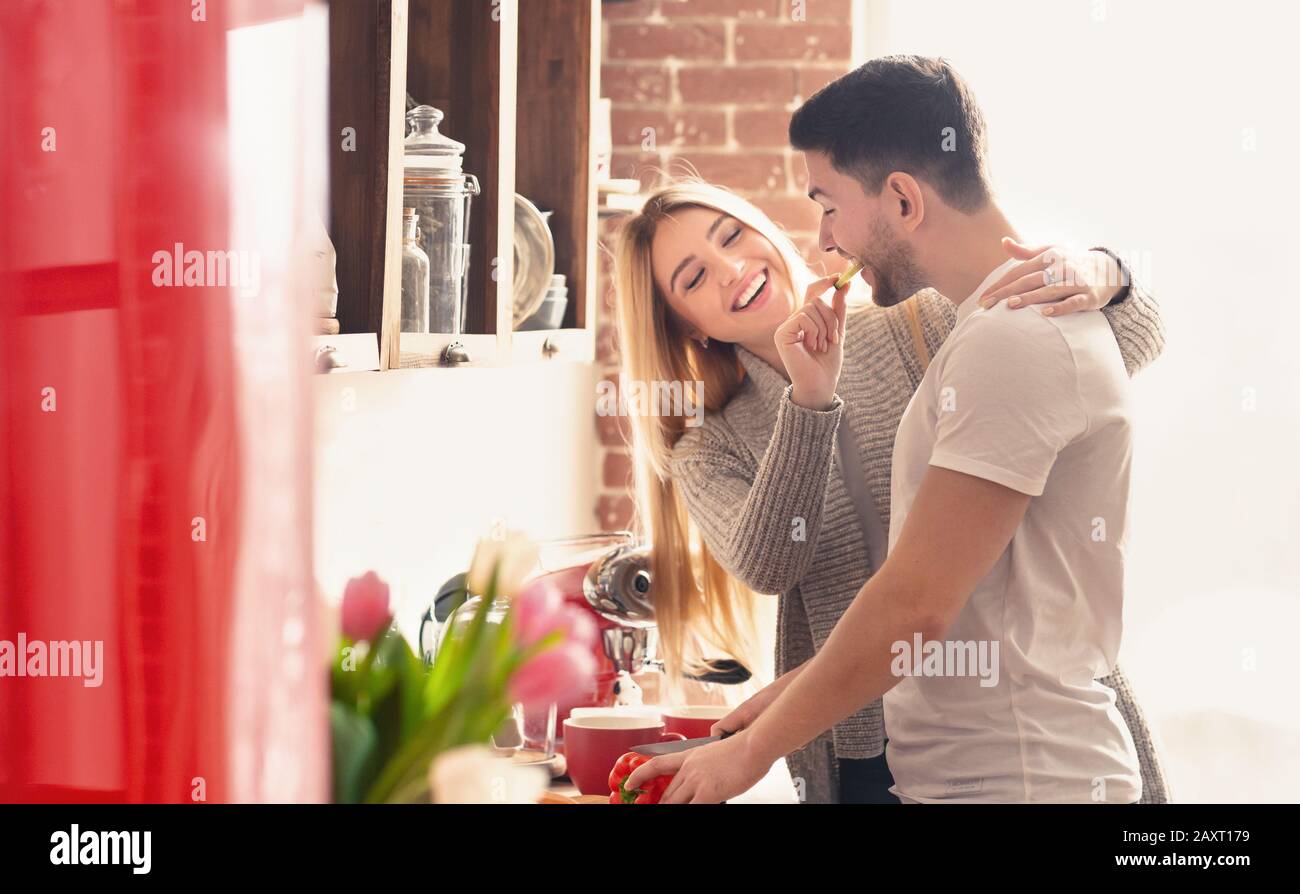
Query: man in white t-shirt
x=1000, y=602
x=1038, y=406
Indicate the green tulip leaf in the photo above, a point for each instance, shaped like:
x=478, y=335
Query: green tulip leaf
x=355, y=755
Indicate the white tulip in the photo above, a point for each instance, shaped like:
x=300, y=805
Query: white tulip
x=516, y=556
x=473, y=774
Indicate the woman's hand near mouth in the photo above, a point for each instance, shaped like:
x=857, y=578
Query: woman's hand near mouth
x=811, y=345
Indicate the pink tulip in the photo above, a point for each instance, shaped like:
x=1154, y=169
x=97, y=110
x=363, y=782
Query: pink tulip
x=563, y=672
x=578, y=627
x=365, y=607
x=540, y=610
x=533, y=611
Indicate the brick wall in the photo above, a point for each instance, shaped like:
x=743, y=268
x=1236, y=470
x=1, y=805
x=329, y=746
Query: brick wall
x=713, y=83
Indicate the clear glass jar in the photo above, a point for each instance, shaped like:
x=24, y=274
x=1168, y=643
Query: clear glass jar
x=434, y=149
x=415, y=277
x=464, y=613
x=533, y=730
x=435, y=187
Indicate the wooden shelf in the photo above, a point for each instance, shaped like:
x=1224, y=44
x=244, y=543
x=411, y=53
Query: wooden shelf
x=360, y=130
x=557, y=94
x=524, y=111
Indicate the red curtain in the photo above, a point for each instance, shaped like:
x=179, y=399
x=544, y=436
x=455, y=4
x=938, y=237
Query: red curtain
x=127, y=444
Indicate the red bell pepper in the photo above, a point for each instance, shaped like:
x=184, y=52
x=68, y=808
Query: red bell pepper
x=650, y=793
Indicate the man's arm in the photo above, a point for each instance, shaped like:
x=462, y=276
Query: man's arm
x=957, y=528
x=993, y=451
x=748, y=711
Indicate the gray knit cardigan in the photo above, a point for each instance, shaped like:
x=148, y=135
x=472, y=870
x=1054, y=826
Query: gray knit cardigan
x=761, y=462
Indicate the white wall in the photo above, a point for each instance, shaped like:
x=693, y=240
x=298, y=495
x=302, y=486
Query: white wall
x=414, y=466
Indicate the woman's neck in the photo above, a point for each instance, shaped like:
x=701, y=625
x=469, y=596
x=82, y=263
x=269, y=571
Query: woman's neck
x=766, y=349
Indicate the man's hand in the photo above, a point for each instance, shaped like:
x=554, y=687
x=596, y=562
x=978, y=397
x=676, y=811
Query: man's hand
x=1063, y=281
x=706, y=774
x=957, y=528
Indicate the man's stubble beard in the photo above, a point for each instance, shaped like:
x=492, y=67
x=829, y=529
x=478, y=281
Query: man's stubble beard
x=898, y=276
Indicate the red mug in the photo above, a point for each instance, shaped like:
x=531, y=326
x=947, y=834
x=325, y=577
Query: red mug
x=592, y=745
x=694, y=721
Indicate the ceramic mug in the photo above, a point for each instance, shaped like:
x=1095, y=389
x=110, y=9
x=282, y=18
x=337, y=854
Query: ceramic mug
x=694, y=721
x=593, y=744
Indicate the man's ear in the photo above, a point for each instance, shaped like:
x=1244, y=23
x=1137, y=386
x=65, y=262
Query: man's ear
x=905, y=199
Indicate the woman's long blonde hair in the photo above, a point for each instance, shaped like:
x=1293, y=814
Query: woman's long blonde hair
x=698, y=605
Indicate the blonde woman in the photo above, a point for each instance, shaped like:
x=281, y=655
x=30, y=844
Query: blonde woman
x=780, y=490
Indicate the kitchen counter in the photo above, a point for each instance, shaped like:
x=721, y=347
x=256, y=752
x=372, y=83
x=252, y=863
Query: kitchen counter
x=774, y=788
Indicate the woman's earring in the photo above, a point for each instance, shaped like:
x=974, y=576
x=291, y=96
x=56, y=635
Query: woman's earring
x=704, y=342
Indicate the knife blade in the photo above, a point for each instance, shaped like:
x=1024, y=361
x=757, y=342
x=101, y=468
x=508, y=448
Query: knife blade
x=658, y=749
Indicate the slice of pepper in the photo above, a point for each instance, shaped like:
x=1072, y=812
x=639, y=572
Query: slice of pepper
x=621, y=794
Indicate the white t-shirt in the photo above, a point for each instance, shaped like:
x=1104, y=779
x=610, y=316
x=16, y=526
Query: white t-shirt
x=1040, y=405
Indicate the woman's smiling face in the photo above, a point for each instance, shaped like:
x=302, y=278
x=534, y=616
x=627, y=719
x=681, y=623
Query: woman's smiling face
x=725, y=279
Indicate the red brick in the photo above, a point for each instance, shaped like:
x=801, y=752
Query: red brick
x=628, y=123
x=811, y=79
x=644, y=166
x=634, y=42
x=609, y=299
x=727, y=84
x=756, y=128
x=605, y=276
x=629, y=9
x=742, y=171
x=703, y=9
x=635, y=83
x=802, y=41
x=812, y=10
x=607, y=348
x=688, y=127
x=799, y=173
x=795, y=213
x=840, y=11
x=614, y=431
x=606, y=227
x=615, y=512
x=617, y=472
x=604, y=263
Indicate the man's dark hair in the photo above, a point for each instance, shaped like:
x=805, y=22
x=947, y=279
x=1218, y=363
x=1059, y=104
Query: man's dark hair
x=893, y=114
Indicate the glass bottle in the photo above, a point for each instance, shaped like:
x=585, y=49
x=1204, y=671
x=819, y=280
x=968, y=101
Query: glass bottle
x=415, y=276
